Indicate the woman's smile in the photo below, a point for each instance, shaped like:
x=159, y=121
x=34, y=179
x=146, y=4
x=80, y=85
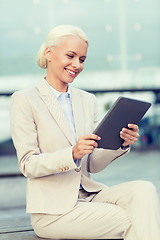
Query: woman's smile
x=70, y=72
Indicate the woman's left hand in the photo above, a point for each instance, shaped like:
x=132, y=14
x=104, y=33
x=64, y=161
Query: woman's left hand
x=131, y=135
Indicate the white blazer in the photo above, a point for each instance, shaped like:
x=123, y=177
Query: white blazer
x=44, y=141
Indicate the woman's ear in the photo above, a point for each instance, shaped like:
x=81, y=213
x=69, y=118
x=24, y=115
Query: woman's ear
x=48, y=52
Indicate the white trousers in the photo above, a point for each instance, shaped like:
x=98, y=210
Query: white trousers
x=129, y=211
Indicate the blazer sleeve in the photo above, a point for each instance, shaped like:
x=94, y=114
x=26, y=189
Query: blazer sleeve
x=100, y=158
x=32, y=162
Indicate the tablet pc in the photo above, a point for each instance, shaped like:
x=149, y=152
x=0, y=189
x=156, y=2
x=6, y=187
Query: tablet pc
x=124, y=111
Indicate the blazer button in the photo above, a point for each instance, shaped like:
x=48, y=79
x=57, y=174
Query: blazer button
x=78, y=169
x=66, y=168
x=61, y=170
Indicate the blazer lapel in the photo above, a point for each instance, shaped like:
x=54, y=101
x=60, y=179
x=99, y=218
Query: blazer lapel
x=78, y=112
x=53, y=106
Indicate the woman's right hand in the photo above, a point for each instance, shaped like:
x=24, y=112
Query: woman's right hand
x=85, y=145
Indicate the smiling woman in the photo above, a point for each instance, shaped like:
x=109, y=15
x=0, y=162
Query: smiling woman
x=51, y=126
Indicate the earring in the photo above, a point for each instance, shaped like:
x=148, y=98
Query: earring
x=47, y=50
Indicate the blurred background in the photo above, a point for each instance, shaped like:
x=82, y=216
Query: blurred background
x=124, y=52
x=123, y=60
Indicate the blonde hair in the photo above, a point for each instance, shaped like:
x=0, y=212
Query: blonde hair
x=55, y=36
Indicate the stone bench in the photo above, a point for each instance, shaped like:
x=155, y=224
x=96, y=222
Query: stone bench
x=17, y=229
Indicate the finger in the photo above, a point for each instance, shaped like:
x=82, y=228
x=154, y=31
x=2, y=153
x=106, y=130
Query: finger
x=92, y=143
x=87, y=151
x=85, y=147
x=130, y=132
x=131, y=135
x=134, y=127
x=126, y=143
x=88, y=148
x=128, y=139
x=83, y=152
x=87, y=143
x=91, y=136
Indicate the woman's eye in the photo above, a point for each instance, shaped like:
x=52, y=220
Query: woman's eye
x=81, y=60
x=70, y=56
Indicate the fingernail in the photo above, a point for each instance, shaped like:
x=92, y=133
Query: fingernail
x=99, y=138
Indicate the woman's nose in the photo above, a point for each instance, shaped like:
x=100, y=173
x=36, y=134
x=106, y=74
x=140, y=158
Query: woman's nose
x=76, y=63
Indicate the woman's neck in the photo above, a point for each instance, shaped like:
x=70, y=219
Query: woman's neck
x=60, y=87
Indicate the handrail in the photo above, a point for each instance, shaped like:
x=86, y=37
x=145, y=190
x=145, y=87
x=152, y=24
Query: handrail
x=155, y=90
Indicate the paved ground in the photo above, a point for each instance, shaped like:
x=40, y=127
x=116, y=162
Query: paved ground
x=133, y=166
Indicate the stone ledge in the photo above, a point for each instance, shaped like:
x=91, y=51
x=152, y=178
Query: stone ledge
x=19, y=228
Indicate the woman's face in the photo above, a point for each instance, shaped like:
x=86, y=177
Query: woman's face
x=65, y=61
